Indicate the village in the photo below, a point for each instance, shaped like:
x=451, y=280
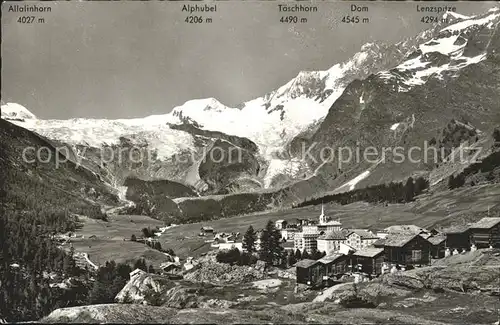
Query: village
x=364, y=254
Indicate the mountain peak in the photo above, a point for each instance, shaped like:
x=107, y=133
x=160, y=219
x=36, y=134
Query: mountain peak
x=14, y=111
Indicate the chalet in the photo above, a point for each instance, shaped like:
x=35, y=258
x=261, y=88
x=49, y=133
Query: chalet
x=169, y=267
x=438, y=243
x=408, y=229
x=457, y=237
x=360, y=238
x=335, y=265
x=407, y=249
x=486, y=233
x=435, y=231
x=207, y=230
x=330, y=241
x=310, y=272
x=368, y=260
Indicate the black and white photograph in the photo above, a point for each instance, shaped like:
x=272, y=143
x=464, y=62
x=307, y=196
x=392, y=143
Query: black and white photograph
x=250, y=162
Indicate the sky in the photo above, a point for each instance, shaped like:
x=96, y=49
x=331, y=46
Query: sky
x=133, y=59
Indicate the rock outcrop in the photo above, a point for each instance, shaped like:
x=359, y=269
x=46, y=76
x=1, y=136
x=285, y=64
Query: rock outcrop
x=140, y=285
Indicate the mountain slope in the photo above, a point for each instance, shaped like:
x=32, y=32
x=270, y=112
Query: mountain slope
x=453, y=76
x=49, y=180
x=444, y=96
x=174, y=143
x=439, y=88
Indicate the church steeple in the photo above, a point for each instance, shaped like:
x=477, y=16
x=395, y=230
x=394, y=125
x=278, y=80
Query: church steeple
x=322, y=217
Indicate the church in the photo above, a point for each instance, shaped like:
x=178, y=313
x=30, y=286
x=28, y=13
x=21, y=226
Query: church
x=307, y=238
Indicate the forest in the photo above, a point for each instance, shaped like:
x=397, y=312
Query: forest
x=37, y=276
x=391, y=193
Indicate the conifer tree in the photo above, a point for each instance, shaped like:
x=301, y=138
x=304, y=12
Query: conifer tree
x=409, y=190
x=270, y=248
x=249, y=240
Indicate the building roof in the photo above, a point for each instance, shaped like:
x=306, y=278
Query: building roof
x=436, y=240
x=330, y=258
x=369, y=252
x=207, y=228
x=331, y=223
x=379, y=242
x=455, y=229
x=398, y=240
x=405, y=229
x=333, y=235
x=485, y=223
x=168, y=264
x=305, y=263
x=363, y=233
x=280, y=221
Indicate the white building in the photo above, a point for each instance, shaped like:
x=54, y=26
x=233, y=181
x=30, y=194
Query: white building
x=360, y=238
x=280, y=224
x=330, y=241
x=345, y=249
x=228, y=246
x=326, y=225
x=306, y=241
x=288, y=233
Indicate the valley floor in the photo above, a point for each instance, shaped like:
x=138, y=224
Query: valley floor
x=112, y=238
x=426, y=211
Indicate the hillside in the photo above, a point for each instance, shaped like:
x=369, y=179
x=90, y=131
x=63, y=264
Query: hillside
x=459, y=289
x=173, y=146
x=435, y=92
x=38, y=200
x=49, y=180
x=441, y=99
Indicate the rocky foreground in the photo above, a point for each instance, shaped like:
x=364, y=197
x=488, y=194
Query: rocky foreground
x=457, y=289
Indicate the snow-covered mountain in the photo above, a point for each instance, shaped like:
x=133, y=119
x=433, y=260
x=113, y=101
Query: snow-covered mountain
x=444, y=93
x=446, y=53
x=269, y=122
x=267, y=128
x=16, y=112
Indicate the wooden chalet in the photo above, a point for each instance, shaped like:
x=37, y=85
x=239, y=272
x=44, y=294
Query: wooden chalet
x=457, y=237
x=310, y=272
x=486, y=233
x=169, y=267
x=335, y=265
x=438, y=243
x=207, y=230
x=407, y=249
x=368, y=260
